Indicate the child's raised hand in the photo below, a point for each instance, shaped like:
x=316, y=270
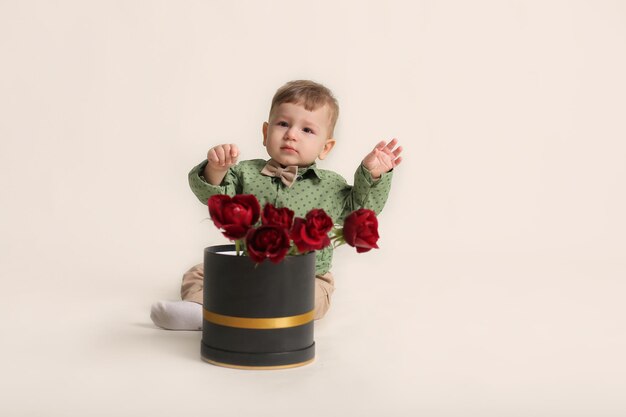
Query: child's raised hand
x=222, y=157
x=383, y=158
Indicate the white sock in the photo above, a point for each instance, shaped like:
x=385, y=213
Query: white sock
x=177, y=315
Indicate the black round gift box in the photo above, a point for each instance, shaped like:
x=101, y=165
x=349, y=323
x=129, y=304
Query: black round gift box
x=257, y=316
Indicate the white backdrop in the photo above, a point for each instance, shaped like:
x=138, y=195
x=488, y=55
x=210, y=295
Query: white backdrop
x=498, y=288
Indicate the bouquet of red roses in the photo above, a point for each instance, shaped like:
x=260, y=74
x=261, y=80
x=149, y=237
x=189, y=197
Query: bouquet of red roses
x=279, y=234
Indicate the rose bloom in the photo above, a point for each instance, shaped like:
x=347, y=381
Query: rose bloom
x=360, y=230
x=236, y=215
x=311, y=233
x=278, y=216
x=268, y=242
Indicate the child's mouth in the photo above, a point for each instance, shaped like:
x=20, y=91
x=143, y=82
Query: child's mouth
x=288, y=149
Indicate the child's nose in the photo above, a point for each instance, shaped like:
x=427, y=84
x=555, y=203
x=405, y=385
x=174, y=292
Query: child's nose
x=291, y=134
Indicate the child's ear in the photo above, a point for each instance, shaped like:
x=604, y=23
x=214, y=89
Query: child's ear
x=265, y=125
x=330, y=143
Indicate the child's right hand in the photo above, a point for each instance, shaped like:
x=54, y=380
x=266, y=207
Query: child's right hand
x=222, y=157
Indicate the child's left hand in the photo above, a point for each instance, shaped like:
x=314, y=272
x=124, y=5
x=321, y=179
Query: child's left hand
x=383, y=158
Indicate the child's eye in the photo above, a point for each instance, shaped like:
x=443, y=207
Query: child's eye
x=307, y=130
x=284, y=124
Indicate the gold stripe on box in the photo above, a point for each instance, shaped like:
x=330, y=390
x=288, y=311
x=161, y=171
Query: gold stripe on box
x=258, y=323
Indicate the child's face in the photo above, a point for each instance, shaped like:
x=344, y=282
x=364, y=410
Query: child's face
x=296, y=136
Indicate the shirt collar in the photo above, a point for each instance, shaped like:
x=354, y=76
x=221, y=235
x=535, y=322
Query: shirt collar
x=311, y=170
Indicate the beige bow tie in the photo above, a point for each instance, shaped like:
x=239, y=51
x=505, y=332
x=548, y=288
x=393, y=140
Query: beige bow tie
x=287, y=175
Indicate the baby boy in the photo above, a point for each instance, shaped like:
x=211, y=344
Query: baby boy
x=300, y=130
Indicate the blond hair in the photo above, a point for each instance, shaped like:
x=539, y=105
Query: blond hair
x=313, y=95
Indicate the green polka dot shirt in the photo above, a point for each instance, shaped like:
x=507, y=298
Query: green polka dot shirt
x=313, y=188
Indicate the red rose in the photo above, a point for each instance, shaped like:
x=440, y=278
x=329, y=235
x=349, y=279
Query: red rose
x=235, y=216
x=311, y=233
x=268, y=242
x=278, y=216
x=360, y=230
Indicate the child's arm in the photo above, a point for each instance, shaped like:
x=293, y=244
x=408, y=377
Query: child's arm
x=372, y=179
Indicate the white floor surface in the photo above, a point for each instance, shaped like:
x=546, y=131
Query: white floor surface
x=471, y=336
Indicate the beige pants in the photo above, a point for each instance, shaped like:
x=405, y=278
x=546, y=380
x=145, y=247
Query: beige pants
x=193, y=283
